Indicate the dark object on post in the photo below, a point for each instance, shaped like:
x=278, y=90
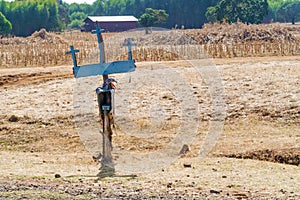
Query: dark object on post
x=105, y=95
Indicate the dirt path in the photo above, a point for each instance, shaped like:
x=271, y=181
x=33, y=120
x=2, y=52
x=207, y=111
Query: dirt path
x=25, y=76
x=38, y=139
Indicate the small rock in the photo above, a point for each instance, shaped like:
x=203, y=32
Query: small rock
x=185, y=148
x=169, y=185
x=240, y=196
x=215, y=191
x=57, y=175
x=97, y=158
x=224, y=176
x=187, y=165
x=282, y=191
x=13, y=118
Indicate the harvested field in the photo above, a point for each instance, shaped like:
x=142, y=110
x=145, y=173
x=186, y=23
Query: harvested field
x=214, y=40
x=261, y=130
x=49, y=124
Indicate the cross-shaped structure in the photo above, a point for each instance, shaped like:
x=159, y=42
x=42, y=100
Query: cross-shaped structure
x=100, y=42
x=102, y=68
x=128, y=42
x=73, y=52
x=105, y=95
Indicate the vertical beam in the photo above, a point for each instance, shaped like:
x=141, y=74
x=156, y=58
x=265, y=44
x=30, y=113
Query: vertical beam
x=100, y=43
x=107, y=146
x=101, y=46
x=128, y=42
x=73, y=52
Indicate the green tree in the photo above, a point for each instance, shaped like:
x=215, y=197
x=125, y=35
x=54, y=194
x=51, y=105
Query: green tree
x=5, y=25
x=152, y=17
x=147, y=20
x=86, y=8
x=75, y=24
x=190, y=14
x=248, y=11
x=77, y=19
x=78, y=16
x=4, y=7
x=63, y=13
x=27, y=16
x=290, y=11
x=98, y=8
x=274, y=6
x=211, y=14
x=53, y=20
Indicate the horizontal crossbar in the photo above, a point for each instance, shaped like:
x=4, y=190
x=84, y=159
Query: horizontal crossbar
x=104, y=68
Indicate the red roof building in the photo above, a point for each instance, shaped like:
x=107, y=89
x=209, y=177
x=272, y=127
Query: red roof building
x=110, y=23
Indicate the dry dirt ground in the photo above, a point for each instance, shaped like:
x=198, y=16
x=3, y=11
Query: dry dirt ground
x=257, y=155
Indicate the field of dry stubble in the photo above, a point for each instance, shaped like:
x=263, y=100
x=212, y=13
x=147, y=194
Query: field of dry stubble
x=257, y=155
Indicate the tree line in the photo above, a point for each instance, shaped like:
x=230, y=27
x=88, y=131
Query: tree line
x=23, y=17
x=30, y=15
x=190, y=14
x=284, y=11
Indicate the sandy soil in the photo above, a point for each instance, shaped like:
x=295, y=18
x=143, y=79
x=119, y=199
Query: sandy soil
x=256, y=156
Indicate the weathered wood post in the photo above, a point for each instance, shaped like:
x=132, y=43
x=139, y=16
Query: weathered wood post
x=104, y=96
x=105, y=93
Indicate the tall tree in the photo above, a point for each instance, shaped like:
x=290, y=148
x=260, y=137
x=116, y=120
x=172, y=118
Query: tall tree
x=290, y=11
x=98, y=8
x=248, y=11
x=5, y=25
x=53, y=20
x=28, y=16
x=63, y=12
x=274, y=6
x=152, y=17
x=77, y=19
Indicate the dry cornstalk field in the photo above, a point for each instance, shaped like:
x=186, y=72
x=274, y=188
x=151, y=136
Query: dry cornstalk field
x=214, y=40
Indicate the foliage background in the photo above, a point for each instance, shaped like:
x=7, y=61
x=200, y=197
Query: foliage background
x=27, y=16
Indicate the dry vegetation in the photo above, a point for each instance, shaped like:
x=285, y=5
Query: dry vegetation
x=39, y=141
x=214, y=40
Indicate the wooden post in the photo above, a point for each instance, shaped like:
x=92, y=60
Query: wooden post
x=107, y=147
x=106, y=161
